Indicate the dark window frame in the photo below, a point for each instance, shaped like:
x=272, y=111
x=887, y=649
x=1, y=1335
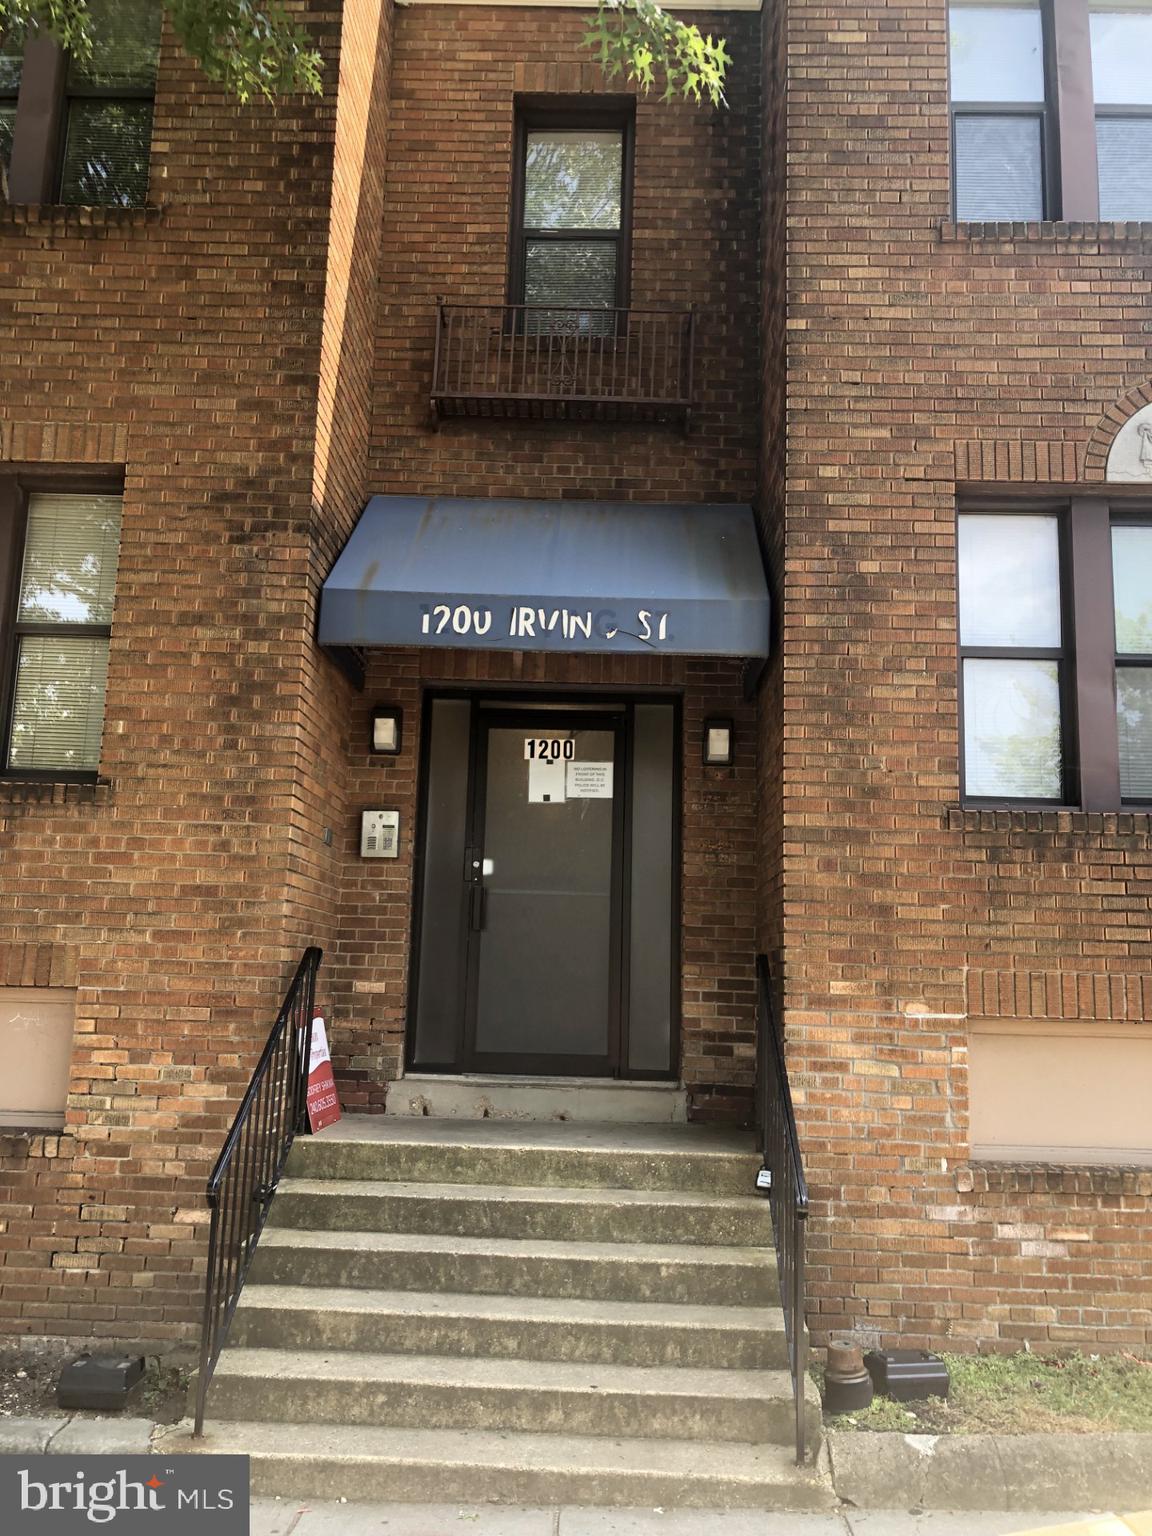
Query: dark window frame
x=531, y=116
x=1090, y=738
x=1063, y=655
x=15, y=490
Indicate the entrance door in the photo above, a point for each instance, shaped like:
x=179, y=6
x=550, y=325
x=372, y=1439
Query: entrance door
x=547, y=880
x=544, y=926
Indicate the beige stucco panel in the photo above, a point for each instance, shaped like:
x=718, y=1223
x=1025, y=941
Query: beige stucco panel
x=1048, y=1094
x=36, y=1025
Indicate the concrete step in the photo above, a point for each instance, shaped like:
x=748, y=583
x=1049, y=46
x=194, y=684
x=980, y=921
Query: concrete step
x=715, y=1160
x=481, y=1210
x=472, y=1096
x=472, y=1466
x=691, y=1276
x=510, y=1327
x=524, y=1396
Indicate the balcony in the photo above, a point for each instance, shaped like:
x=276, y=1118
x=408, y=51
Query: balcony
x=525, y=362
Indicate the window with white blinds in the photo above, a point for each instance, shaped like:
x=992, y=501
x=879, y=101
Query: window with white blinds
x=1122, y=86
x=996, y=58
x=63, y=620
x=571, y=194
x=11, y=62
x=108, y=107
x=1132, y=601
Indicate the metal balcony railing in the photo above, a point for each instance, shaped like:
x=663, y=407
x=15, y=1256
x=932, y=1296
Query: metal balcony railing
x=534, y=362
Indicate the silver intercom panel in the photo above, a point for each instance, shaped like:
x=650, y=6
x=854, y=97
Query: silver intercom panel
x=379, y=834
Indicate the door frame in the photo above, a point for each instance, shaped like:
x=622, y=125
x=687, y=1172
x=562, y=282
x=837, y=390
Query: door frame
x=617, y=703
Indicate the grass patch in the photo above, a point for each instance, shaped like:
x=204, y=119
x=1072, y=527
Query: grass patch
x=1020, y=1394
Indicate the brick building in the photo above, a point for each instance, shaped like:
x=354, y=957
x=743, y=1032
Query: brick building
x=407, y=448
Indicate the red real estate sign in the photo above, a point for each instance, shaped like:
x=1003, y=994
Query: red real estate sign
x=323, y=1105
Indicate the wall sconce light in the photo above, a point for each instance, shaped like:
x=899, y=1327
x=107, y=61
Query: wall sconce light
x=718, y=743
x=386, y=731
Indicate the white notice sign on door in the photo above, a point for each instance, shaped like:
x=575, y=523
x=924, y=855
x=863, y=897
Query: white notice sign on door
x=589, y=781
x=546, y=782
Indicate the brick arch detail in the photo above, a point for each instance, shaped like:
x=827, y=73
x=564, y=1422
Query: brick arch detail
x=1104, y=433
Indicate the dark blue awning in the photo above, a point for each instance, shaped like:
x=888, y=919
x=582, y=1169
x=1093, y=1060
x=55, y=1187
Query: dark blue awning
x=551, y=576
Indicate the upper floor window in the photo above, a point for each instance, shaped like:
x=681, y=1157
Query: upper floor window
x=1056, y=654
x=998, y=111
x=571, y=217
x=11, y=58
x=1122, y=91
x=80, y=131
x=1051, y=109
x=59, y=551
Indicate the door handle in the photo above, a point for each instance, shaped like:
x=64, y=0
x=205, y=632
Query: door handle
x=476, y=904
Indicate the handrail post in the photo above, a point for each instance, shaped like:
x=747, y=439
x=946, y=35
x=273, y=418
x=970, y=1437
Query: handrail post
x=801, y=1332
x=788, y=1191
x=206, y=1325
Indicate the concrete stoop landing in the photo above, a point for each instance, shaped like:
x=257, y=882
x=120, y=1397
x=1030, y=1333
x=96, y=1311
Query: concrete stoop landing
x=518, y=1312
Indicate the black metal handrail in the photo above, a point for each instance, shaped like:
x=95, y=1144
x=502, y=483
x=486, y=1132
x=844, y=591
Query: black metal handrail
x=251, y=1161
x=788, y=1190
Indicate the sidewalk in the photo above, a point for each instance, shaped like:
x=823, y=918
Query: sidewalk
x=273, y=1517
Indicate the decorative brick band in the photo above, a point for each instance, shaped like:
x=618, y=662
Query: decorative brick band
x=1071, y=824
x=1100, y=443
x=1042, y=1178
x=1010, y=461
x=37, y=965
x=1063, y=233
x=48, y=442
x=70, y=219
x=1054, y=995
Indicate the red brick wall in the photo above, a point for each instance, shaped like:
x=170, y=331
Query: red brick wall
x=183, y=345
x=457, y=72
x=924, y=359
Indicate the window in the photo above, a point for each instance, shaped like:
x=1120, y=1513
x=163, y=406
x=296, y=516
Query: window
x=80, y=131
x=998, y=111
x=1051, y=109
x=571, y=217
x=1122, y=90
x=11, y=57
x=1011, y=657
x=1132, y=601
x=62, y=549
x=1056, y=654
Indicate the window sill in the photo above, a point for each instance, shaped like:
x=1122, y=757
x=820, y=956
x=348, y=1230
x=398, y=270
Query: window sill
x=15, y=791
x=27, y=1141
x=72, y=218
x=988, y=818
x=1056, y=232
